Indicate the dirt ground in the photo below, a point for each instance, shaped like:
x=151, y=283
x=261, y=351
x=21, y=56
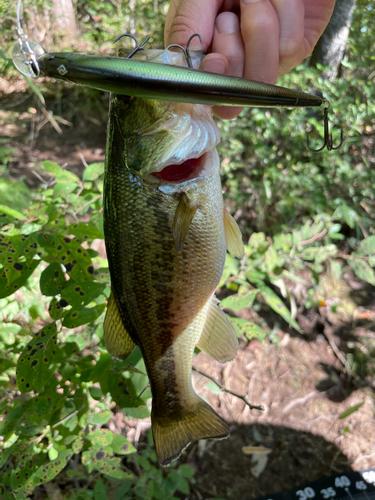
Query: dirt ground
x=301, y=381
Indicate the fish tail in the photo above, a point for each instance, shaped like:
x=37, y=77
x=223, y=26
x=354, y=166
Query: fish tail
x=173, y=434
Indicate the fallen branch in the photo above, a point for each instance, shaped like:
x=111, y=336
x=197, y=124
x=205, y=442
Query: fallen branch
x=224, y=389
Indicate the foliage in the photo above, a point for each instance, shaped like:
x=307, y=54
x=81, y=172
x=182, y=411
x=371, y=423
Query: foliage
x=303, y=215
x=68, y=382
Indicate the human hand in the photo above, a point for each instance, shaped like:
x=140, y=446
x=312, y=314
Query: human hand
x=255, y=39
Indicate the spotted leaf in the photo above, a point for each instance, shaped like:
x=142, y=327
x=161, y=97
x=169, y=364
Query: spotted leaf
x=83, y=316
x=52, y=280
x=81, y=294
x=33, y=367
x=69, y=252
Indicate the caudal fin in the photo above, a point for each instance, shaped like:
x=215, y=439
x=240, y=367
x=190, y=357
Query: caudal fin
x=173, y=435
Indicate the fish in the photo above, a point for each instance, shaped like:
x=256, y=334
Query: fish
x=166, y=234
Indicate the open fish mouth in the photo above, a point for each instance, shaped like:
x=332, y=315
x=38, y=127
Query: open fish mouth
x=192, y=153
x=190, y=169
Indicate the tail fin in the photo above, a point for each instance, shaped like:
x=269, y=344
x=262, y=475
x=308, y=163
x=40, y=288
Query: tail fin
x=173, y=434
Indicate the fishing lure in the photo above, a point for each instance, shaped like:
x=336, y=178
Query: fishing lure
x=141, y=78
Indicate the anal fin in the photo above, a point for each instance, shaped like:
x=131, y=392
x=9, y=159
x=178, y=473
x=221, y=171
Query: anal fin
x=116, y=338
x=218, y=339
x=184, y=215
x=233, y=236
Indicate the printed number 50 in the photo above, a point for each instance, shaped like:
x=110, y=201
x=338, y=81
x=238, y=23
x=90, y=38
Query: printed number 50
x=306, y=493
x=328, y=493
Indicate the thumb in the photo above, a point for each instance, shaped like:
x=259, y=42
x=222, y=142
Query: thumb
x=186, y=17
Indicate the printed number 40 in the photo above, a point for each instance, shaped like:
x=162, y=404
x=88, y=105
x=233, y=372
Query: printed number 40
x=328, y=493
x=342, y=482
x=306, y=493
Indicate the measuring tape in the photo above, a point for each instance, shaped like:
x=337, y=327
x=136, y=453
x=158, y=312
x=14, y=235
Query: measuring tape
x=353, y=485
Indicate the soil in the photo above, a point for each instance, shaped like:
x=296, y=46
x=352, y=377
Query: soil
x=303, y=382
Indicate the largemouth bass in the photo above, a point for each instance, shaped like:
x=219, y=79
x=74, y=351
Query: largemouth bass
x=166, y=234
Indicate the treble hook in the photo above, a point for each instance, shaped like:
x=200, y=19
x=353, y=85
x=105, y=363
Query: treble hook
x=187, y=50
x=25, y=49
x=137, y=46
x=188, y=57
x=328, y=141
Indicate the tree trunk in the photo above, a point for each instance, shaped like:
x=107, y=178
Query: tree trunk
x=331, y=46
x=64, y=23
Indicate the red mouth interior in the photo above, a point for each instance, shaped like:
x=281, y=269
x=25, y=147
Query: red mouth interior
x=177, y=173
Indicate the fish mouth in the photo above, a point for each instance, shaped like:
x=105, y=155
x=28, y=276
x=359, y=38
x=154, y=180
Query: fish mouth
x=189, y=169
x=192, y=151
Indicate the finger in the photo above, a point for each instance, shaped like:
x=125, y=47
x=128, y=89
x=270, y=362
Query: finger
x=317, y=16
x=291, y=43
x=186, y=17
x=260, y=32
x=227, y=40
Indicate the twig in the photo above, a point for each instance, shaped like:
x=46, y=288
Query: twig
x=301, y=401
x=338, y=353
x=88, y=203
x=143, y=390
x=224, y=389
x=83, y=160
x=314, y=238
x=47, y=431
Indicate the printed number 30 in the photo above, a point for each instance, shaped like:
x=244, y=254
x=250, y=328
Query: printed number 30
x=328, y=493
x=306, y=493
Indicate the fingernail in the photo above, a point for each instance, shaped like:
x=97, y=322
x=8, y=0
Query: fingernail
x=226, y=23
x=249, y=1
x=214, y=66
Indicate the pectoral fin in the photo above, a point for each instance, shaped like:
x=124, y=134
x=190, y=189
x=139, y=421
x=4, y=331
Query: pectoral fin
x=233, y=236
x=182, y=219
x=116, y=338
x=218, y=339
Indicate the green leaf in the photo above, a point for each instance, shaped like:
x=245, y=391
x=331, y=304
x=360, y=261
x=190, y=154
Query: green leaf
x=85, y=231
x=246, y=328
x=56, y=308
x=362, y=269
x=231, y=265
x=346, y=214
x=367, y=246
x=104, y=461
x=82, y=316
x=44, y=473
x=100, y=418
x=272, y=259
x=243, y=299
x=81, y=294
x=278, y=306
x=11, y=213
x=350, y=410
x=255, y=276
x=100, y=438
x=22, y=484
x=33, y=367
x=100, y=492
x=69, y=252
x=52, y=280
x=121, y=445
x=93, y=171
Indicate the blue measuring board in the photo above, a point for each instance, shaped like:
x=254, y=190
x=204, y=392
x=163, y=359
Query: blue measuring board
x=353, y=485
